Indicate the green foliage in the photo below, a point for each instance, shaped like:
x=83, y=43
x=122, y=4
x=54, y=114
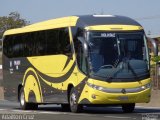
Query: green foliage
x=14, y=20
x=156, y=59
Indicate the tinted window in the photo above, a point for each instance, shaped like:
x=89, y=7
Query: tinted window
x=7, y=46
x=48, y=42
x=64, y=42
x=17, y=46
x=52, y=38
x=81, y=60
x=41, y=45
x=13, y=46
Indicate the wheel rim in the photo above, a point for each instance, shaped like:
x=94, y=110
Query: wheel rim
x=73, y=99
x=22, y=99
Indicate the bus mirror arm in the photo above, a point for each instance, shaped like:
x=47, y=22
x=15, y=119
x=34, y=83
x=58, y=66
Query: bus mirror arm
x=85, y=50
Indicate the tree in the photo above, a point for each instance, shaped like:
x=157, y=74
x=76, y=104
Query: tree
x=14, y=20
x=156, y=59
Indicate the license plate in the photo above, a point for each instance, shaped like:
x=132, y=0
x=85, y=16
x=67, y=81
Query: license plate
x=123, y=98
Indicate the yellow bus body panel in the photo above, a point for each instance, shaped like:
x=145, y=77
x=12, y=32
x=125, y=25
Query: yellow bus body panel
x=51, y=64
x=113, y=98
x=49, y=24
x=114, y=27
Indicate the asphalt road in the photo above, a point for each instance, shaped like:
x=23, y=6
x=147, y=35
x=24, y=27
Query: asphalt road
x=12, y=111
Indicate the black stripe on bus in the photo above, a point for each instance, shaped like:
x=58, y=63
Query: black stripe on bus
x=67, y=62
x=80, y=87
x=89, y=20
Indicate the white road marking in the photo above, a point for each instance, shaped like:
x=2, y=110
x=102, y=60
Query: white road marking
x=55, y=113
x=31, y=111
x=24, y=111
x=118, y=117
x=148, y=107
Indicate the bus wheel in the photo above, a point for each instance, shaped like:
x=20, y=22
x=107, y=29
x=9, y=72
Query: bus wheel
x=73, y=101
x=23, y=104
x=128, y=108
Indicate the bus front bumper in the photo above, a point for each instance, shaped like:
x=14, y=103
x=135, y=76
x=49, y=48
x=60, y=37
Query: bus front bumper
x=94, y=96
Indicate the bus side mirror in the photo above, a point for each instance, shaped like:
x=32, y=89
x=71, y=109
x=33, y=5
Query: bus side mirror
x=85, y=46
x=154, y=45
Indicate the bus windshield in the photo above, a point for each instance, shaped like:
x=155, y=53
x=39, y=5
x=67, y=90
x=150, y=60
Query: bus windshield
x=118, y=56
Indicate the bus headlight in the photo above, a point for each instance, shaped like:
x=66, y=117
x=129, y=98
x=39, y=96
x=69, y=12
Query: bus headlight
x=95, y=86
x=119, y=90
x=146, y=86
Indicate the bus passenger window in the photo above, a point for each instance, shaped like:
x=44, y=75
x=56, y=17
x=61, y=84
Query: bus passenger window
x=52, y=47
x=64, y=40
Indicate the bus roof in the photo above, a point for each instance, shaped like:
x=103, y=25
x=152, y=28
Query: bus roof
x=79, y=21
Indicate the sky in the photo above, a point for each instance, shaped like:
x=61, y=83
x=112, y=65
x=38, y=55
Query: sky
x=146, y=12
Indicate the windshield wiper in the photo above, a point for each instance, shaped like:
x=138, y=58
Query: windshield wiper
x=132, y=70
x=107, y=78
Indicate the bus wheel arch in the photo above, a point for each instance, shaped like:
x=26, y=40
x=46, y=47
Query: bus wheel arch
x=26, y=105
x=32, y=97
x=32, y=87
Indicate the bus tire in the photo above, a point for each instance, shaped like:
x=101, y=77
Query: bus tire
x=73, y=101
x=128, y=108
x=25, y=105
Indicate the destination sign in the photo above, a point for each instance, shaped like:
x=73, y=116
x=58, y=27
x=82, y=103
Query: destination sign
x=107, y=35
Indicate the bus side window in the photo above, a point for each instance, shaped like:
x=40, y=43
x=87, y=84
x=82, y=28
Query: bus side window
x=52, y=45
x=41, y=43
x=7, y=46
x=17, y=46
x=64, y=41
x=80, y=57
x=81, y=61
x=26, y=46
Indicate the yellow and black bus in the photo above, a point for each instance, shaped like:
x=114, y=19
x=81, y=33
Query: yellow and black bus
x=77, y=61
